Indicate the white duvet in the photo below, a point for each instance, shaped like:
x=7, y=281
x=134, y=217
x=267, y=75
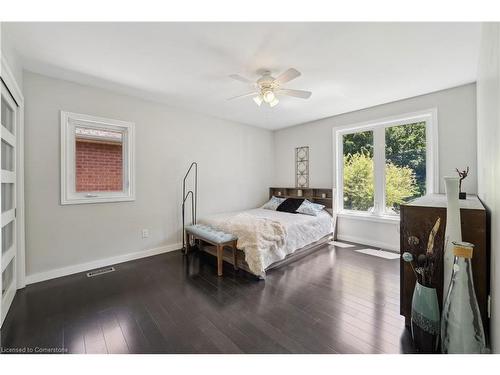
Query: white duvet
x=267, y=236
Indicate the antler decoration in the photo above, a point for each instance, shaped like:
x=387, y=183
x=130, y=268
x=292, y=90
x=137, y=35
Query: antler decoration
x=432, y=235
x=462, y=176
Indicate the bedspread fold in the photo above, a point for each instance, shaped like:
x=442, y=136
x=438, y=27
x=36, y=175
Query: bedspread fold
x=255, y=234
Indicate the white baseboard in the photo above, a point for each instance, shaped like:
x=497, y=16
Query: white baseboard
x=77, y=268
x=368, y=242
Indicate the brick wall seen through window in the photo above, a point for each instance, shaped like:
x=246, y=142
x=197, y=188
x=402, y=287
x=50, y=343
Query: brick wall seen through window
x=99, y=165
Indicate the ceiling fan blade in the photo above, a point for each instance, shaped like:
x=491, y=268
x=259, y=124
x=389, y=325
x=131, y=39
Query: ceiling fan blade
x=288, y=75
x=253, y=93
x=240, y=78
x=296, y=93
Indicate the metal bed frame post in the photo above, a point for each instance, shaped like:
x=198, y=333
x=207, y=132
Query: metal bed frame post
x=194, y=201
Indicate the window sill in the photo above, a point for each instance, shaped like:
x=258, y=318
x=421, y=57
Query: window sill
x=102, y=199
x=388, y=219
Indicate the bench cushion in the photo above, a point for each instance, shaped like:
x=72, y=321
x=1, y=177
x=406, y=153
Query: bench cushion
x=208, y=233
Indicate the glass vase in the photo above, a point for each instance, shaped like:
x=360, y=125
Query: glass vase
x=453, y=231
x=425, y=319
x=461, y=324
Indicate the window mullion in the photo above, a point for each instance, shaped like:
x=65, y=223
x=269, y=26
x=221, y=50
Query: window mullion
x=340, y=172
x=379, y=170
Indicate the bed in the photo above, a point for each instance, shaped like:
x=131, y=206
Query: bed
x=268, y=239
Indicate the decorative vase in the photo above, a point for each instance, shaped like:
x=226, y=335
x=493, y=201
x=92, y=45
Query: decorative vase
x=425, y=319
x=453, y=231
x=461, y=324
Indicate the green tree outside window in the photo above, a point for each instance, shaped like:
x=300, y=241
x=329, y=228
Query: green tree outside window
x=405, y=171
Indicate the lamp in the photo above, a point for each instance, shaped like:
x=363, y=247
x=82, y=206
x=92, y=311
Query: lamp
x=274, y=102
x=258, y=100
x=268, y=96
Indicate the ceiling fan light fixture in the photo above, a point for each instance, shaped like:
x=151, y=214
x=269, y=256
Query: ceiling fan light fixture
x=274, y=102
x=258, y=100
x=268, y=96
x=267, y=88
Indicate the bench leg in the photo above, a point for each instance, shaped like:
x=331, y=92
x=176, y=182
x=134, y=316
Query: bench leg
x=235, y=259
x=188, y=244
x=220, y=260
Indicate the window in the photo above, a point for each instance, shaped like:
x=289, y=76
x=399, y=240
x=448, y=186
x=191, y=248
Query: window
x=358, y=171
x=383, y=164
x=97, y=159
x=405, y=159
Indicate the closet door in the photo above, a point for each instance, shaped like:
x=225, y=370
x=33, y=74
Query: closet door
x=8, y=282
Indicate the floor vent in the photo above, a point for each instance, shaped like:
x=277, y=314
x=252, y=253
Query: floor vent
x=100, y=272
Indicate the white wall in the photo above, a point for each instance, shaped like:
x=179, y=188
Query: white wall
x=235, y=172
x=11, y=56
x=457, y=148
x=488, y=142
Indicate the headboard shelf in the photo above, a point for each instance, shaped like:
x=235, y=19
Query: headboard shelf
x=317, y=195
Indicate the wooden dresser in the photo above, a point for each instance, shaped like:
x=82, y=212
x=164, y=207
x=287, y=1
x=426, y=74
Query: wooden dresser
x=417, y=219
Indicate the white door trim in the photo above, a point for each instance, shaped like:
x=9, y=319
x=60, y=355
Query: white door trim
x=8, y=79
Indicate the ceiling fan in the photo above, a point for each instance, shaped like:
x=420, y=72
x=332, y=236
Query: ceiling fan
x=267, y=88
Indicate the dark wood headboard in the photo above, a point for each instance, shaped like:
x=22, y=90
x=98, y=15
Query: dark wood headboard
x=317, y=195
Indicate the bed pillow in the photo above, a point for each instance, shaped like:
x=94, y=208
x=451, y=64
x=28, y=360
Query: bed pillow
x=273, y=203
x=310, y=208
x=290, y=205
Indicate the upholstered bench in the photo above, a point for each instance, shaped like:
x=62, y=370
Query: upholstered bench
x=214, y=237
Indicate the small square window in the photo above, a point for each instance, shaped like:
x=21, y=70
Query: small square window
x=97, y=159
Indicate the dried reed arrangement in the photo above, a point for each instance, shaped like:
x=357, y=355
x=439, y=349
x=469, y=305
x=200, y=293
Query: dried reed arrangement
x=424, y=265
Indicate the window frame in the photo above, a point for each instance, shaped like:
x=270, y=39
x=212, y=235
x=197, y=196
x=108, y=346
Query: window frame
x=69, y=195
x=378, y=127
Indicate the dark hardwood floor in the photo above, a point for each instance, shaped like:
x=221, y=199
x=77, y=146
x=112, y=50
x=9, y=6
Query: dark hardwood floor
x=333, y=301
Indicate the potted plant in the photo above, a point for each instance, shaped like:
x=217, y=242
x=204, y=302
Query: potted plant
x=425, y=316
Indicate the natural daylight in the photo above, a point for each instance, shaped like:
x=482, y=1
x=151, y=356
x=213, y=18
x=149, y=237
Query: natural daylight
x=264, y=192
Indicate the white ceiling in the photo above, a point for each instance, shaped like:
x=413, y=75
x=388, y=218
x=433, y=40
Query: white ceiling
x=347, y=66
